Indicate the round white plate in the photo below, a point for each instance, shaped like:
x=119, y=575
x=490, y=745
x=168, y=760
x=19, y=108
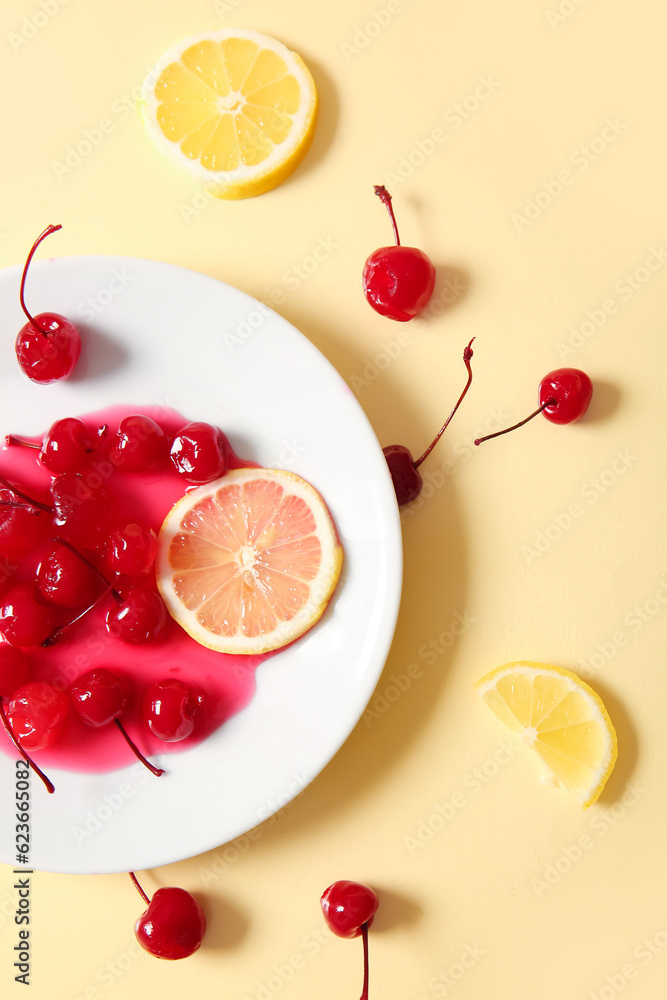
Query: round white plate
x=154, y=333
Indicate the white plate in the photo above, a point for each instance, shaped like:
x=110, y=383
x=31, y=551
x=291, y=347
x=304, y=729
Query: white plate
x=158, y=334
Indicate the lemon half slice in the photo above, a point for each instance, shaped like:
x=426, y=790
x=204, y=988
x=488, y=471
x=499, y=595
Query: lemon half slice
x=559, y=717
x=234, y=108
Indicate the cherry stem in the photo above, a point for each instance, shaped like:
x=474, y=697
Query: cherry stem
x=157, y=771
x=109, y=589
x=14, y=439
x=467, y=355
x=549, y=402
x=5, y=721
x=385, y=198
x=364, y=938
x=47, y=232
x=98, y=573
x=26, y=499
x=138, y=887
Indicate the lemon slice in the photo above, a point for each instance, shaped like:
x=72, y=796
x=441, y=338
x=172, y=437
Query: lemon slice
x=249, y=562
x=560, y=717
x=234, y=108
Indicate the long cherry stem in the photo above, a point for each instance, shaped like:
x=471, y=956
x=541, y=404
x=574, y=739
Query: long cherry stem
x=50, y=787
x=385, y=198
x=98, y=573
x=47, y=232
x=364, y=938
x=138, y=887
x=549, y=402
x=467, y=356
x=23, y=496
x=157, y=771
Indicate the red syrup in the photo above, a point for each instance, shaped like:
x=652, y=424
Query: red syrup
x=226, y=682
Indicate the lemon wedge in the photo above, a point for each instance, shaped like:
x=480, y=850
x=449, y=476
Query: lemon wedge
x=234, y=108
x=558, y=716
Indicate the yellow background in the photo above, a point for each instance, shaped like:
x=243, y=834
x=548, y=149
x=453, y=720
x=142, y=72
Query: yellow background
x=548, y=544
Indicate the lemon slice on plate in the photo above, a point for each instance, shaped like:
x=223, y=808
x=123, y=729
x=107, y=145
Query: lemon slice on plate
x=559, y=717
x=233, y=107
x=249, y=562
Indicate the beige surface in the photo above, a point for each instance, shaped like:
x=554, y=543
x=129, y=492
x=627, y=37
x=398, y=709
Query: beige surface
x=546, y=545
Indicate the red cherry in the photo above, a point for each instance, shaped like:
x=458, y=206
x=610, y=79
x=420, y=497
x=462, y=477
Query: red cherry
x=398, y=281
x=347, y=906
x=348, y=909
x=102, y=696
x=48, y=346
x=200, y=452
x=564, y=396
x=140, y=616
x=66, y=446
x=29, y=761
x=173, y=925
x=132, y=548
x=22, y=528
x=171, y=710
x=65, y=579
x=139, y=445
x=38, y=714
x=14, y=669
x=83, y=512
x=404, y=469
x=23, y=620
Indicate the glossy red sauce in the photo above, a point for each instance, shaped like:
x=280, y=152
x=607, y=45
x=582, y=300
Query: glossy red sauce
x=226, y=682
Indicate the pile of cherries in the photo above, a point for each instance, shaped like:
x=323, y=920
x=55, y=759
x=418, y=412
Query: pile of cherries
x=87, y=556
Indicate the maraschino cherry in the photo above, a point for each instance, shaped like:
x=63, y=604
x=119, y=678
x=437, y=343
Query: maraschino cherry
x=102, y=696
x=403, y=467
x=48, y=346
x=398, y=281
x=66, y=446
x=171, y=710
x=139, y=444
x=36, y=710
x=348, y=909
x=200, y=452
x=172, y=926
x=564, y=395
